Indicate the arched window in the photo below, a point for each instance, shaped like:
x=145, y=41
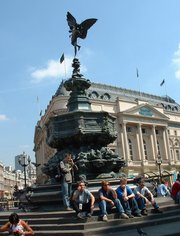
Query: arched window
x=145, y=150
x=130, y=149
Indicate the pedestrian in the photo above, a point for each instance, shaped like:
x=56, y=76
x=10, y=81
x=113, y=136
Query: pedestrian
x=108, y=199
x=175, y=190
x=162, y=190
x=127, y=199
x=82, y=201
x=144, y=196
x=67, y=168
x=16, y=226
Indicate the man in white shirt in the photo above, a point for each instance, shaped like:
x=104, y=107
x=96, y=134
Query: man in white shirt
x=144, y=196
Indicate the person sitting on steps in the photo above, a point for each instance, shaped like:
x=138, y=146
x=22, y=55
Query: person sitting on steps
x=82, y=201
x=144, y=196
x=127, y=199
x=108, y=199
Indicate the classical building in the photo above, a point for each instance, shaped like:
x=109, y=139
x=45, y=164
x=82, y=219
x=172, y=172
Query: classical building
x=148, y=127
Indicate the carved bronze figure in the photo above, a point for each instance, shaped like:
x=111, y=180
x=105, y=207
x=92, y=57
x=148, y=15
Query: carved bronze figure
x=78, y=30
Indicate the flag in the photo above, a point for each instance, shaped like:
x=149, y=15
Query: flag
x=62, y=58
x=161, y=84
x=137, y=72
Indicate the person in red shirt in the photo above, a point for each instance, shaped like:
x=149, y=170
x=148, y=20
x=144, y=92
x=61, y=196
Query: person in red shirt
x=175, y=191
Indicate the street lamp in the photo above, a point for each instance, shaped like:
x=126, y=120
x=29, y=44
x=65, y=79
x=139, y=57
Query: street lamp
x=24, y=161
x=159, y=162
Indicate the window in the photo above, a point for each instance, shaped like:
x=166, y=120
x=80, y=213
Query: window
x=145, y=150
x=129, y=129
x=143, y=130
x=157, y=131
x=94, y=95
x=175, y=132
x=177, y=155
x=130, y=149
x=168, y=131
x=158, y=148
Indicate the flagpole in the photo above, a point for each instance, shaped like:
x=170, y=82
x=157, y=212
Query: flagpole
x=65, y=74
x=166, y=90
x=137, y=74
x=63, y=60
x=38, y=107
x=164, y=83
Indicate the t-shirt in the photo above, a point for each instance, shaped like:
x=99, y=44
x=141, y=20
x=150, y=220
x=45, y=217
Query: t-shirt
x=120, y=191
x=144, y=191
x=162, y=190
x=109, y=194
x=16, y=227
x=82, y=197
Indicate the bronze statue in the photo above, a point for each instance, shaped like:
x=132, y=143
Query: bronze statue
x=78, y=30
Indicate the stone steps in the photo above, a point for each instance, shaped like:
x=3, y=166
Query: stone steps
x=66, y=223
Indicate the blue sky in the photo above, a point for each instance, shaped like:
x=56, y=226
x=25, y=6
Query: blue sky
x=129, y=34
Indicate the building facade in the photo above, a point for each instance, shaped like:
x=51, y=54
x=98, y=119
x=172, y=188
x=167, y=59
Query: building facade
x=148, y=128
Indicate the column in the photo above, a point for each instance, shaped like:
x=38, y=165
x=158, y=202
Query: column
x=152, y=147
x=165, y=143
x=141, y=143
x=138, y=146
x=155, y=142
x=122, y=142
x=126, y=147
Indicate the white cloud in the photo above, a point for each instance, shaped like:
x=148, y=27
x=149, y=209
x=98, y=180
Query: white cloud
x=176, y=62
x=54, y=69
x=3, y=117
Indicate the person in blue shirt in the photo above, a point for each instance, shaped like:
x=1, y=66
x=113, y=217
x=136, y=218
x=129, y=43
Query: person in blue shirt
x=127, y=199
x=162, y=190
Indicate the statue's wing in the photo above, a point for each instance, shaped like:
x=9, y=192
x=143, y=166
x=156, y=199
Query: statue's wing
x=85, y=25
x=71, y=20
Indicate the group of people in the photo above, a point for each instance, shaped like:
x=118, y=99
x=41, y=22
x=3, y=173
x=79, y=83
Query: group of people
x=128, y=203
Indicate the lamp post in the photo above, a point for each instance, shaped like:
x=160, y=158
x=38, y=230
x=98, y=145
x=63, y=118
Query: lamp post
x=159, y=162
x=24, y=161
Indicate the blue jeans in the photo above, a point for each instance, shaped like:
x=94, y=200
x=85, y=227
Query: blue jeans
x=142, y=203
x=66, y=192
x=103, y=205
x=130, y=206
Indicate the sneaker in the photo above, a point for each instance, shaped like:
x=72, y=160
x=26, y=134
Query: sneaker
x=81, y=215
x=89, y=215
x=68, y=209
x=137, y=214
x=104, y=218
x=124, y=216
x=144, y=212
x=130, y=216
x=157, y=210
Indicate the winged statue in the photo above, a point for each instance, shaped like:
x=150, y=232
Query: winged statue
x=78, y=30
